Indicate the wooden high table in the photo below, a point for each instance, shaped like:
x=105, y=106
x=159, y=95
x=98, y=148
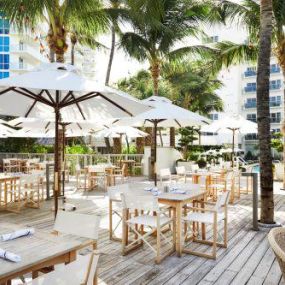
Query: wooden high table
x=37, y=251
x=177, y=201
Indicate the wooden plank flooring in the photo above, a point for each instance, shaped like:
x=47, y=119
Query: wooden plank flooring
x=247, y=260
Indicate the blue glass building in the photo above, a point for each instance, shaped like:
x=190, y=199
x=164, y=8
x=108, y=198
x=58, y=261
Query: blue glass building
x=4, y=47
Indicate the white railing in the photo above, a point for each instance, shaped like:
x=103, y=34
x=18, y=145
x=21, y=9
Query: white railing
x=81, y=159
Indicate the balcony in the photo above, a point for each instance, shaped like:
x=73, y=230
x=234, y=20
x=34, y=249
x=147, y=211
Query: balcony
x=275, y=104
x=19, y=66
x=275, y=120
x=275, y=86
x=248, y=89
x=28, y=51
x=249, y=105
x=249, y=73
x=275, y=69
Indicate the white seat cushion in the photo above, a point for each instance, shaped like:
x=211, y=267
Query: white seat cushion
x=73, y=273
x=207, y=217
x=147, y=220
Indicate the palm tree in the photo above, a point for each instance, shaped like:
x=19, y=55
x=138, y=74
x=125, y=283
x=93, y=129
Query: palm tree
x=263, y=112
x=157, y=26
x=113, y=12
x=60, y=16
x=265, y=33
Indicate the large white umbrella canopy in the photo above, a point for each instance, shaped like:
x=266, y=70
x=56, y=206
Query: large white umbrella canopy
x=118, y=131
x=57, y=91
x=34, y=94
x=166, y=114
x=163, y=114
x=231, y=124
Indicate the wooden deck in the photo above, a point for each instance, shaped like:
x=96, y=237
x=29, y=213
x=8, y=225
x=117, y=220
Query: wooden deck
x=247, y=260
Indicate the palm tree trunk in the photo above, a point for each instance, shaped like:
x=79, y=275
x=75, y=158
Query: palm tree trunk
x=72, y=53
x=263, y=113
x=108, y=145
x=111, y=57
x=172, y=137
x=155, y=72
x=117, y=146
x=148, y=139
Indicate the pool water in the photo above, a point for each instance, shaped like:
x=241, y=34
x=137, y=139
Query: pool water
x=256, y=168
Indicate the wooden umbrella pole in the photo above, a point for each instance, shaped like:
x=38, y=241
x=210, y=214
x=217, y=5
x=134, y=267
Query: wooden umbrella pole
x=233, y=147
x=155, y=150
x=63, y=158
x=56, y=166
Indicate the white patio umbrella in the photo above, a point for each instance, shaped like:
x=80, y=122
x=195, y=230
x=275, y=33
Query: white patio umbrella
x=163, y=114
x=57, y=91
x=231, y=124
x=119, y=131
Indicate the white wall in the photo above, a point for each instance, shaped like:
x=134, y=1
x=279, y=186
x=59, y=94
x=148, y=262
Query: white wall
x=166, y=158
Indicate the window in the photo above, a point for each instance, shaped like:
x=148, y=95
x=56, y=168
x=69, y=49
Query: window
x=275, y=131
x=4, y=74
x=4, y=26
x=4, y=61
x=250, y=103
x=275, y=117
x=214, y=116
x=4, y=44
x=275, y=101
x=275, y=84
x=251, y=137
x=250, y=71
x=250, y=87
x=251, y=117
x=274, y=68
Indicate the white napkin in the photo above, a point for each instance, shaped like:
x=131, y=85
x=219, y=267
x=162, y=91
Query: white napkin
x=177, y=191
x=17, y=234
x=9, y=255
x=156, y=193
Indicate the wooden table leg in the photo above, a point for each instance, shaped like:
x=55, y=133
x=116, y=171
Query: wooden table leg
x=203, y=224
x=179, y=229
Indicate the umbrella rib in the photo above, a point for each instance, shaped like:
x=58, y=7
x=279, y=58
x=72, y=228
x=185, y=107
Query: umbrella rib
x=43, y=100
x=50, y=97
x=7, y=90
x=47, y=125
x=64, y=100
x=33, y=105
x=92, y=95
x=72, y=101
x=78, y=106
x=177, y=123
x=33, y=97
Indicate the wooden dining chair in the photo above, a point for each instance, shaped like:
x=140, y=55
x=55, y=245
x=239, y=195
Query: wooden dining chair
x=119, y=173
x=114, y=193
x=82, y=271
x=212, y=214
x=166, y=176
x=81, y=225
x=147, y=215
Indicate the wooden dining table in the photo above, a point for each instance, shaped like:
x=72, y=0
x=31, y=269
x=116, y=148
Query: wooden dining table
x=177, y=202
x=42, y=249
